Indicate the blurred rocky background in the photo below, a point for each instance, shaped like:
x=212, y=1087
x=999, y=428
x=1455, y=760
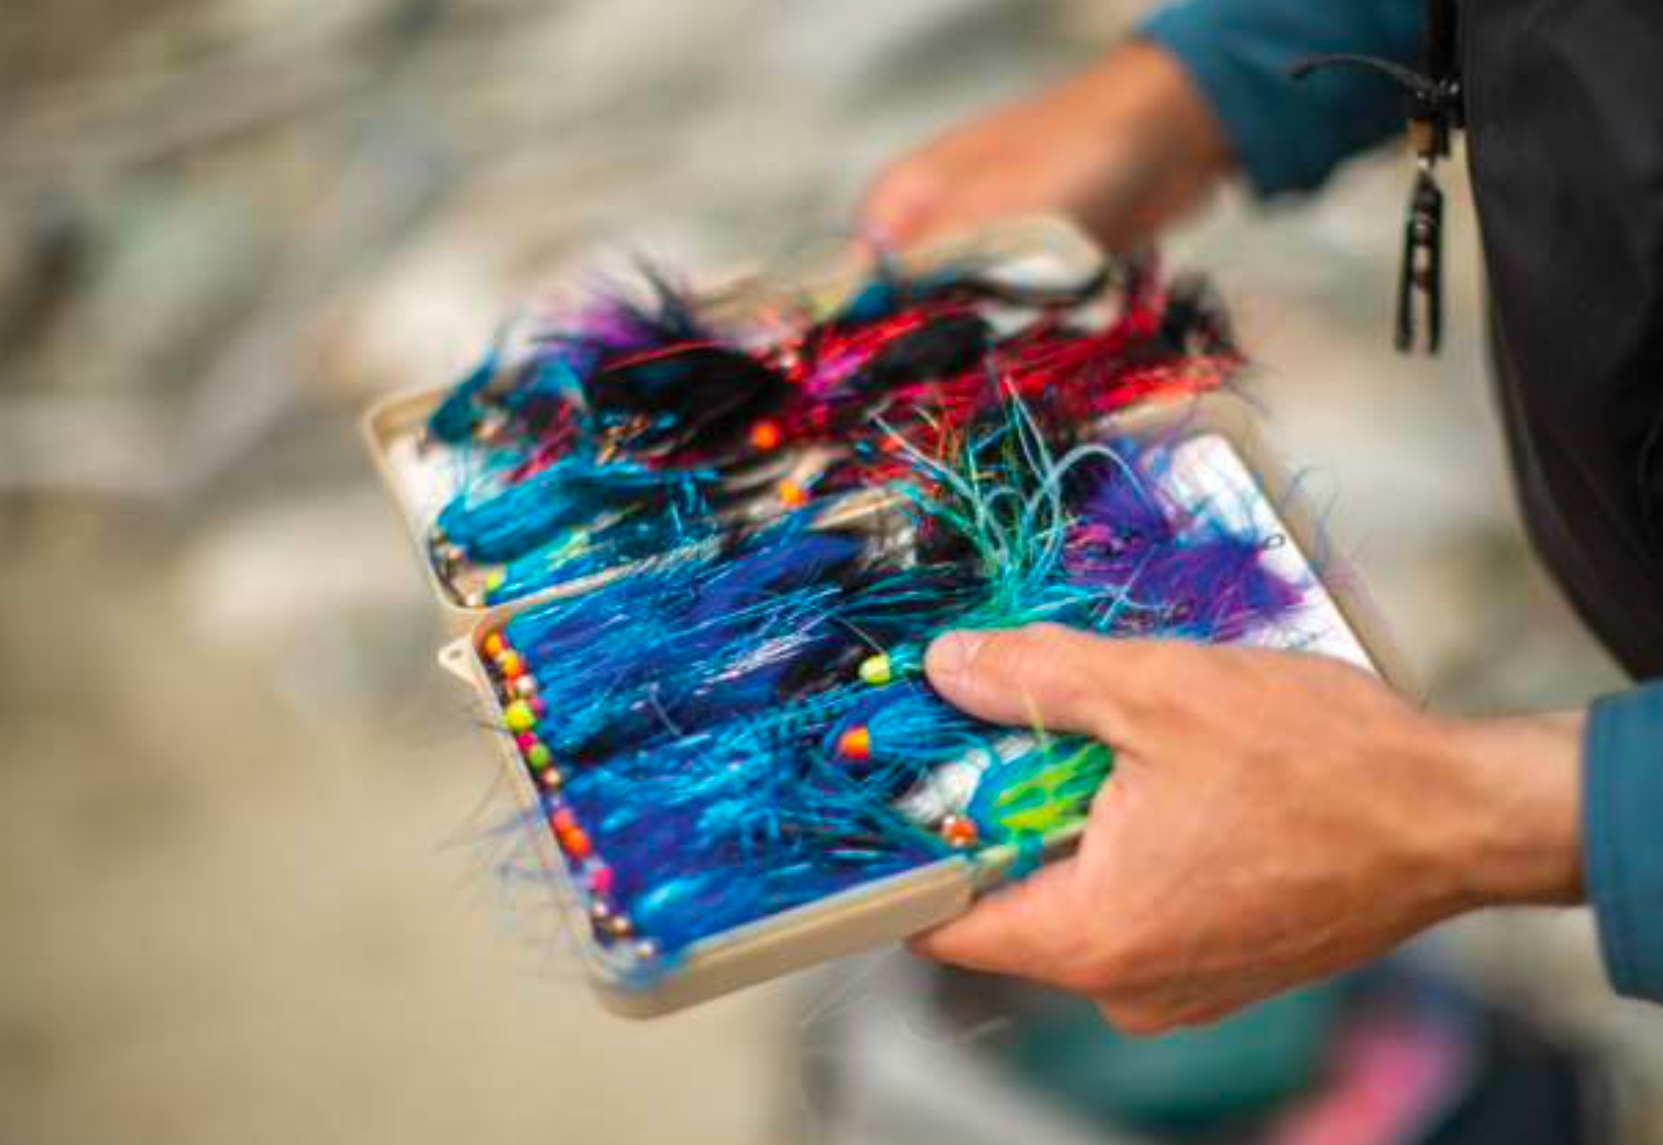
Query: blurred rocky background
x=241, y=896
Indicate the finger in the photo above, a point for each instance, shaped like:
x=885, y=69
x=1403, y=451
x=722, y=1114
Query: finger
x=1040, y=676
x=1136, y=1021
x=1015, y=930
x=897, y=209
x=888, y=231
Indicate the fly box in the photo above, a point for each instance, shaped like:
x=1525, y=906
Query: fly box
x=1213, y=465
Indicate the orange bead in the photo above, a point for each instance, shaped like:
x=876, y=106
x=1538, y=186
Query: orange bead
x=957, y=831
x=576, y=843
x=792, y=494
x=493, y=645
x=765, y=435
x=855, y=744
x=562, y=820
x=510, y=665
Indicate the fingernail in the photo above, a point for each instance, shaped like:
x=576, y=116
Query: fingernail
x=951, y=655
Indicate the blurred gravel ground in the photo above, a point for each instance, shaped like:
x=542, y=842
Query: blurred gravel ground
x=241, y=897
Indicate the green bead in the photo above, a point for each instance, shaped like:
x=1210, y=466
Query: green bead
x=519, y=717
x=539, y=756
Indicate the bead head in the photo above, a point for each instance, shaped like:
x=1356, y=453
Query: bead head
x=855, y=744
x=959, y=832
x=519, y=716
x=791, y=493
x=877, y=670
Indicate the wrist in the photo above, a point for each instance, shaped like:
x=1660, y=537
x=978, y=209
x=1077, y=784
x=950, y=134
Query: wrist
x=1168, y=145
x=1168, y=109
x=1519, y=783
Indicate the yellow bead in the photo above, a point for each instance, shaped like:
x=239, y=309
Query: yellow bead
x=876, y=670
x=519, y=717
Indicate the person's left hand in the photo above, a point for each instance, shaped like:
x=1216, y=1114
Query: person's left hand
x=1272, y=818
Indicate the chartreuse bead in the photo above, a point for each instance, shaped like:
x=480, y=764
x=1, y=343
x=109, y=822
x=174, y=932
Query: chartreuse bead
x=519, y=717
x=877, y=670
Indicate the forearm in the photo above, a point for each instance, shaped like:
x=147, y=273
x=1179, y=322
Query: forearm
x=1166, y=137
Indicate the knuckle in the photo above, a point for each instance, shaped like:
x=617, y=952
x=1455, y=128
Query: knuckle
x=1176, y=678
x=1134, y=1018
x=1010, y=656
x=1105, y=973
x=902, y=185
x=1057, y=645
x=1114, y=968
x=1208, y=1014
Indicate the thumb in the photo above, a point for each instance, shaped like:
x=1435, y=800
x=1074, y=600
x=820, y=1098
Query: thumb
x=1043, y=676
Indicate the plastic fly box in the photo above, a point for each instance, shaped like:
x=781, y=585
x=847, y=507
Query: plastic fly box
x=1215, y=449
x=421, y=476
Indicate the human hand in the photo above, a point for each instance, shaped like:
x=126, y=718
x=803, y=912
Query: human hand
x=1272, y=818
x=1124, y=149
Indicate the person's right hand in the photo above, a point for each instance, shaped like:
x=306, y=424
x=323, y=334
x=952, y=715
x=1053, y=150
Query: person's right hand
x=1123, y=149
x=1272, y=818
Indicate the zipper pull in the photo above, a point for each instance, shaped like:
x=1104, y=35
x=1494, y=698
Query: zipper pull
x=1435, y=113
x=1422, y=269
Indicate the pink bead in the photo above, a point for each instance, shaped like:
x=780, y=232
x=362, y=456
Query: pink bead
x=538, y=707
x=600, y=879
x=526, y=740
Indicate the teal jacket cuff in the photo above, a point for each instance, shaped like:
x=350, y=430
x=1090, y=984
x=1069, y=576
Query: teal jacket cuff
x=1289, y=135
x=1622, y=836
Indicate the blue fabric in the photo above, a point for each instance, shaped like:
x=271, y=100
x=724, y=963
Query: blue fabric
x=1288, y=135
x=1622, y=836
